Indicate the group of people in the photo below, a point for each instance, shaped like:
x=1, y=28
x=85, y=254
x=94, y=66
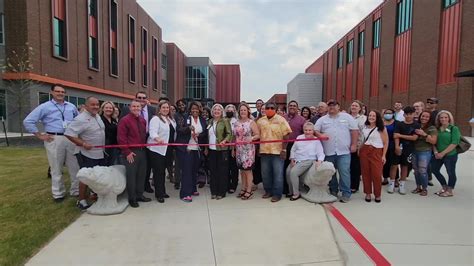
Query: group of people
x=195, y=145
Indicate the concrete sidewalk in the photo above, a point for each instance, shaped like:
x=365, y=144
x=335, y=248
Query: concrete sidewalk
x=204, y=232
x=414, y=230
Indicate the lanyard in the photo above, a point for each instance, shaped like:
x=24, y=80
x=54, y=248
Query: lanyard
x=62, y=112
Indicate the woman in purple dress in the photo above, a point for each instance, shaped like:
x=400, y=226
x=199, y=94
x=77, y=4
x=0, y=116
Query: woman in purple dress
x=245, y=130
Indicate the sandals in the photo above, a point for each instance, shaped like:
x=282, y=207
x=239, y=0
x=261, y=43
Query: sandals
x=446, y=194
x=241, y=193
x=297, y=198
x=417, y=190
x=247, y=195
x=424, y=192
x=440, y=192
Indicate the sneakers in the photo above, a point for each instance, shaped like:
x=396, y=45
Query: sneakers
x=82, y=205
x=402, y=189
x=187, y=199
x=344, y=199
x=391, y=187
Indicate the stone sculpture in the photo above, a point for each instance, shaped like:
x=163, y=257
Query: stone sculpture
x=317, y=180
x=107, y=182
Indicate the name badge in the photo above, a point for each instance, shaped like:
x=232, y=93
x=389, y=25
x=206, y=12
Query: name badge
x=64, y=124
x=448, y=130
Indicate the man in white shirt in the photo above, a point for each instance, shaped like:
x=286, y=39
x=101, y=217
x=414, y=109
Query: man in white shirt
x=399, y=114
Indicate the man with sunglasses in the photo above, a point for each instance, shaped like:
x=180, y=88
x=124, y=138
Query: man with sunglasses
x=56, y=115
x=432, y=106
x=273, y=127
x=147, y=112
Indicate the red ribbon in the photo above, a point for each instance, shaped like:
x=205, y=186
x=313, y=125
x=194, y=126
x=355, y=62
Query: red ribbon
x=187, y=144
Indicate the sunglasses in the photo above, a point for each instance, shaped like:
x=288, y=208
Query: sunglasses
x=270, y=108
x=430, y=102
x=141, y=98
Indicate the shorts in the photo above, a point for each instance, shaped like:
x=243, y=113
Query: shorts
x=404, y=159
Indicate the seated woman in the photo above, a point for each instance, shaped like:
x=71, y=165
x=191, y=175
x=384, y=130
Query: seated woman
x=303, y=155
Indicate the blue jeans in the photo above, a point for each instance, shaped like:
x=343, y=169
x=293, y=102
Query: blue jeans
x=449, y=162
x=272, y=174
x=342, y=163
x=420, y=163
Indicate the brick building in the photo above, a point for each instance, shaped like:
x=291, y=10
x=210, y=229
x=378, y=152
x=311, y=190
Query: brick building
x=110, y=49
x=406, y=51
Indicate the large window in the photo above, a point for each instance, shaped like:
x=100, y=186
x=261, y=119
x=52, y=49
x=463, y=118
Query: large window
x=93, y=43
x=144, y=57
x=113, y=23
x=404, y=15
x=340, y=57
x=376, y=37
x=59, y=28
x=131, y=50
x=361, y=43
x=448, y=3
x=155, y=64
x=350, y=51
x=2, y=29
x=197, y=82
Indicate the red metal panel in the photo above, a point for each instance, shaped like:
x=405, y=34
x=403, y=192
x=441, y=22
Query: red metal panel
x=401, y=73
x=329, y=76
x=113, y=39
x=450, y=34
x=131, y=50
x=360, y=78
x=374, y=73
x=317, y=66
x=339, y=79
x=227, y=83
x=59, y=7
x=92, y=26
x=349, y=82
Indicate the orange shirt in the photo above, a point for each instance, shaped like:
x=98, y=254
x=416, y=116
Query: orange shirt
x=274, y=128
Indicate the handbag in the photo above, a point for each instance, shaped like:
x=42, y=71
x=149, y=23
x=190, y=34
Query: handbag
x=463, y=146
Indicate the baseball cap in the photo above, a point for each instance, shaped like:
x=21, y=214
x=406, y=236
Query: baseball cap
x=433, y=99
x=332, y=102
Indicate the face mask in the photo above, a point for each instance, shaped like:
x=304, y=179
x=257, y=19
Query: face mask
x=388, y=116
x=229, y=114
x=270, y=112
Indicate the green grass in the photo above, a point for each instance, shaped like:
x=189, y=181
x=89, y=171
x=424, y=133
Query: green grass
x=28, y=216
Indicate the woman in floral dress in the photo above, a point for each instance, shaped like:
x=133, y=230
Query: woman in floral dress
x=245, y=130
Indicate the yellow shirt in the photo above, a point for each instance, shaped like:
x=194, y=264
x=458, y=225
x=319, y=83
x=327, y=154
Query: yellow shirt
x=272, y=129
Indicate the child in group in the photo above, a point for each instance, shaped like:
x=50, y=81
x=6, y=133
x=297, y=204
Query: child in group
x=303, y=155
x=404, y=136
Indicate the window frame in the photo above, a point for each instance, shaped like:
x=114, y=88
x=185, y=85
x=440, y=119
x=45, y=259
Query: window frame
x=89, y=65
x=154, y=69
x=66, y=31
x=144, y=67
x=130, y=67
x=350, y=51
x=361, y=44
x=404, y=16
x=2, y=28
x=110, y=41
x=377, y=30
x=451, y=3
x=340, y=57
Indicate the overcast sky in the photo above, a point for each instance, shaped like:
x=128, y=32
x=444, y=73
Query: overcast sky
x=272, y=40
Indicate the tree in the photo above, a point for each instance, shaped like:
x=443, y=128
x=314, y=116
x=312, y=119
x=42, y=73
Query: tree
x=18, y=89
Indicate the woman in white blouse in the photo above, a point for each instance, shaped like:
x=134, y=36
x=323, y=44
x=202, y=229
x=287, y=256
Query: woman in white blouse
x=162, y=130
x=372, y=155
x=303, y=155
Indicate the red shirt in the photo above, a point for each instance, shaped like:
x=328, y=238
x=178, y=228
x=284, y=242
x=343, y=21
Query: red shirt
x=296, y=123
x=131, y=130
